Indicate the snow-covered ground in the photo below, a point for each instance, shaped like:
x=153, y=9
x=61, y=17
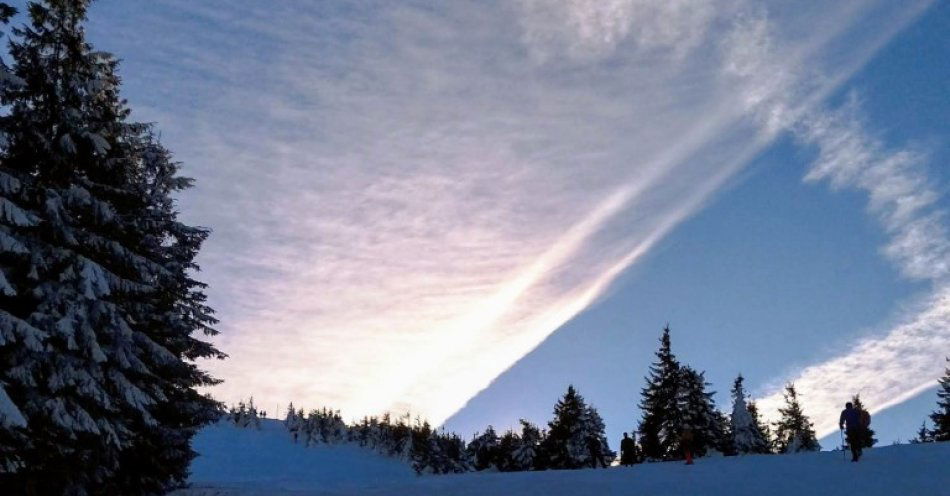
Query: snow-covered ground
x=247, y=462
x=267, y=460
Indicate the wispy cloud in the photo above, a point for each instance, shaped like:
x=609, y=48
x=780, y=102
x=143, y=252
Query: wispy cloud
x=892, y=367
x=887, y=367
x=407, y=198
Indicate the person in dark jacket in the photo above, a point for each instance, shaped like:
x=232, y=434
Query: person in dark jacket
x=628, y=450
x=850, y=421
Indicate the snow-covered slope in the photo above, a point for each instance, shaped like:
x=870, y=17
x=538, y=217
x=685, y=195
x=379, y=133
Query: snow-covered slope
x=246, y=462
x=266, y=460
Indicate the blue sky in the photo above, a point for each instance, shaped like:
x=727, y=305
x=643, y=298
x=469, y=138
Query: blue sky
x=459, y=208
x=772, y=275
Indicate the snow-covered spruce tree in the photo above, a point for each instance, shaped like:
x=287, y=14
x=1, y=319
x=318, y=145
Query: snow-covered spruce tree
x=293, y=422
x=435, y=452
x=12, y=433
x=660, y=425
x=793, y=430
x=562, y=446
x=747, y=435
x=593, y=429
x=867, y=436
x=698, y=411
x=13, y=424
x=169, y=315
x=426, y=456
x=517, y=452
x=174, y=317
x=575, y=436
x=507, y=445
x=452, y=452
x=525, y=455
x=442, y=459
x=763, y=427
x=725, y=443
x=483, y=450
x=941, y=416
x=97, y=308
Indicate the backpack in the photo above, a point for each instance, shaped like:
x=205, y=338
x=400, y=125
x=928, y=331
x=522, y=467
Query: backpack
x=865, y=419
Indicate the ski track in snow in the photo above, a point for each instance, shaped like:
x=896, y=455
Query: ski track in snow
x=245, y=462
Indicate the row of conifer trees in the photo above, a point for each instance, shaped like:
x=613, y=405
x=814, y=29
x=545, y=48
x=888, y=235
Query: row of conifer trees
x=574, y=438
x=676, y=397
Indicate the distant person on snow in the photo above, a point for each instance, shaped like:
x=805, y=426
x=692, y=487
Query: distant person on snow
x=628, y=451
x=854, y=422
x=686, y=443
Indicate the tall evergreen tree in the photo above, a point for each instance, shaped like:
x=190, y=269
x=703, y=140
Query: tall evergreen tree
x=483, y=450
x=525, y=455
x=867, y=435
x=13, y=342
x=941, y=416
x=764, y=431
x=456, y=458
x=660, y=425
x=746, y=436
x=698, y=411
x=168, y=313
x=793, y=431
x=441, y=454
x=576, y=435
x=725, y=441
x=592, y=431
x=97, y=302
x=507, y=446
x=518, y=451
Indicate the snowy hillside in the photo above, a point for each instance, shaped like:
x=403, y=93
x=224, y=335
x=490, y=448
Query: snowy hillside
x=267, y=459
x=247, y=462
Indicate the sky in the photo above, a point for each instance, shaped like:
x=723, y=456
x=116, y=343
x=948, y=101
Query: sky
x=457, y=209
